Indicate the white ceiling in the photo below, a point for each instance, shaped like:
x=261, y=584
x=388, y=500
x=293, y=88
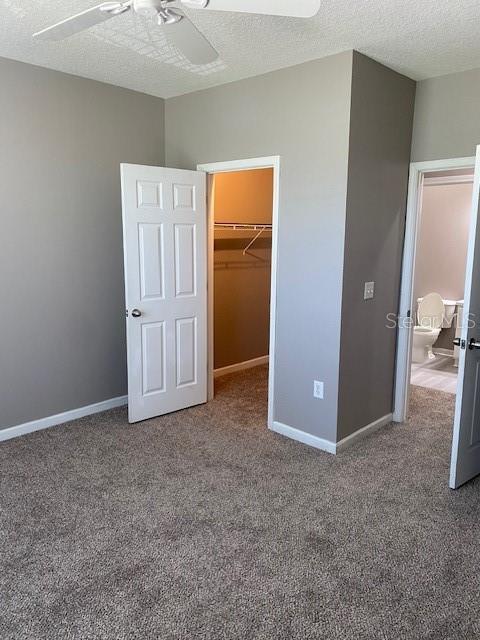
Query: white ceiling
x=421, y=38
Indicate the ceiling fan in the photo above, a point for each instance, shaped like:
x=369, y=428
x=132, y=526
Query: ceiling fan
x=180, y=31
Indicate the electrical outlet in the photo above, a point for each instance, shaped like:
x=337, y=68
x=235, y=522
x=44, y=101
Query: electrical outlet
x=318, y=389
x=369, y=290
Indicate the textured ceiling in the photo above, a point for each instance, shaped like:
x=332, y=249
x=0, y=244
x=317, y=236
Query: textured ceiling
x=421, y=38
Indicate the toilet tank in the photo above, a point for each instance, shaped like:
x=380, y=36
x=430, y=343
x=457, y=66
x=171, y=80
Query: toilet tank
x=450, y=310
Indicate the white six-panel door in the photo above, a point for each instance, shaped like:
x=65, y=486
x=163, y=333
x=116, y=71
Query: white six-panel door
x=165, y=240
x=465, y=463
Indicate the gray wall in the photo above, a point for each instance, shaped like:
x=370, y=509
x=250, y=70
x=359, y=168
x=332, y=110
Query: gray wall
x=62, y=322
x=447, y=124
x=380, y=138
x=302, y=114
x=63, y=138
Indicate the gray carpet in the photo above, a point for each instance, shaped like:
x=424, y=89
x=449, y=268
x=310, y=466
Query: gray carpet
x=204, y=525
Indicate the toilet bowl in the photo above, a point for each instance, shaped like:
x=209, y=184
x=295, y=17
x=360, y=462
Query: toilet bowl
x=430, y=318
x=423, y=341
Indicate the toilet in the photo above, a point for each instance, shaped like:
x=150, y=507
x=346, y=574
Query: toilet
x=430, y=319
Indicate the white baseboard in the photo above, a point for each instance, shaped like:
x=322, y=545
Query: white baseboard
x=240, y=366
x=327, y=445
x=362, y=433
x=302, y=436
x=443, y=352
x=60, y=418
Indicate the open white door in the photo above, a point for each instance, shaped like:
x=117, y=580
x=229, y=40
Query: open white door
x=465, y=463
x=165, y=241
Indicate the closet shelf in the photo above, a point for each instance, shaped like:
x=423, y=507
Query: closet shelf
x=260, y=228
x=242, y=227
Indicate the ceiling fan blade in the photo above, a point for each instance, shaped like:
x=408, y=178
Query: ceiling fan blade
x=185, y=36
x=82, y=21
x=289, y=8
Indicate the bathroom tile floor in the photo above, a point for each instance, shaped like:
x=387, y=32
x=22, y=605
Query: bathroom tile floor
x=440, y=374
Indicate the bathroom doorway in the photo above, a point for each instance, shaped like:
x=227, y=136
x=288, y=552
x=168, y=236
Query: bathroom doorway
x=465, y=403
x=435, y=258
x=439, y=277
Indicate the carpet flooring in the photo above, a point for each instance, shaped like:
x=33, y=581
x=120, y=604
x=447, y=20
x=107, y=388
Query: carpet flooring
x=205, y=525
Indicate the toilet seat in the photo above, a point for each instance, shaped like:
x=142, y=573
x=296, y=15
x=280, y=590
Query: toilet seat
x=425, y=331
x=430, y=313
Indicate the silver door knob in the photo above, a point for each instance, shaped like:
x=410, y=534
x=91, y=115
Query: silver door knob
x=473, y=344
x=136, y=313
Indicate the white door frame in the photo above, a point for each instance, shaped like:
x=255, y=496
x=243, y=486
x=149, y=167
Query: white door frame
x=406, y=315
x=270, y=162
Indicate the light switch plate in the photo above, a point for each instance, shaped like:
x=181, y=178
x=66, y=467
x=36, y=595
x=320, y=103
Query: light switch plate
x=369, y=291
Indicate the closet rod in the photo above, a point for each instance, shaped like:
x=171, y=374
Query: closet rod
x=259, y=228
x=240, y=226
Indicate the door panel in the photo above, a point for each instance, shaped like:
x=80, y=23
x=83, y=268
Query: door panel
x=465, y=463
x=185, y=267
x=186, y=351
x=152, y=267
x=153, y=358
x=149, y=194
x=184, y=197
x=165, y=238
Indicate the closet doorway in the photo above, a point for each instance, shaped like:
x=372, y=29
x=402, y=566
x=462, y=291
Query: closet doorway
x=242, y=260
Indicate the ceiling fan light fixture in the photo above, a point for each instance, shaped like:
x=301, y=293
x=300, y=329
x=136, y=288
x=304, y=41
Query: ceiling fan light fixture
x=185, y=37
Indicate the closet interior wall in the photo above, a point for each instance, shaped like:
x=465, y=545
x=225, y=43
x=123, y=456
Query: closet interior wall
x=241, y=272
